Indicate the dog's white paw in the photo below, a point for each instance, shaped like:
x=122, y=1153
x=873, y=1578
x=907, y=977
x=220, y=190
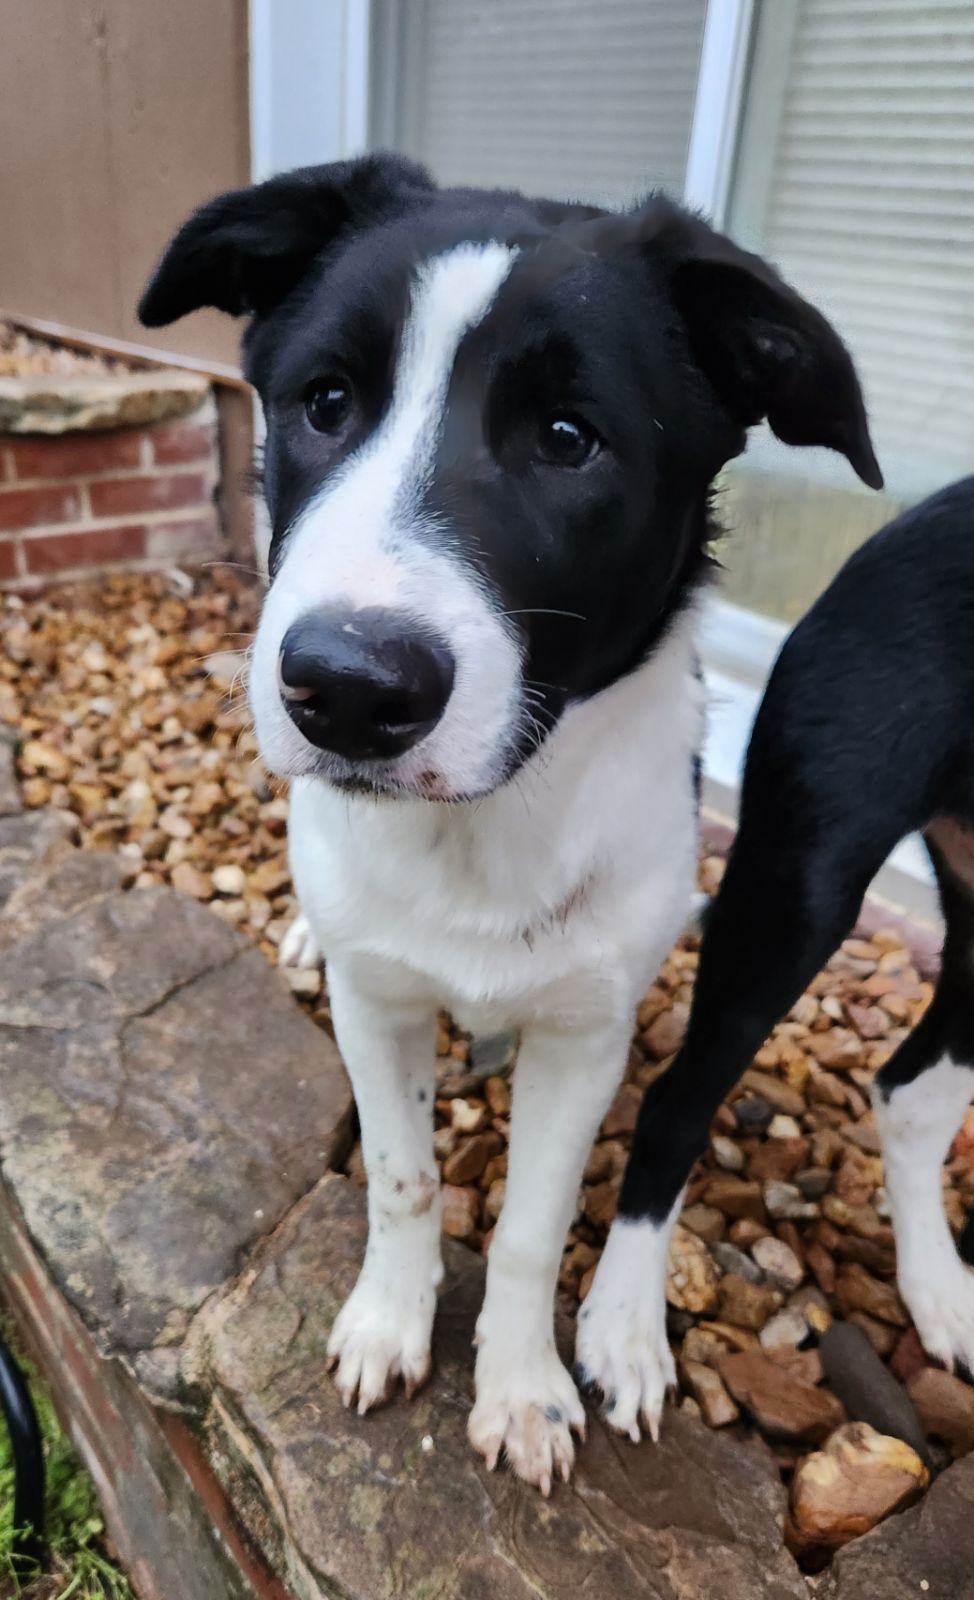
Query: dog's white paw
x=941, y=1304
x=528, y=1407
x=382, y=1333
x=298, y=947
x=621, y=1346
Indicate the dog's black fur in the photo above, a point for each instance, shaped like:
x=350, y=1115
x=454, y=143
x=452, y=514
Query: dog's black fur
x=657, y=340
x=865, y=734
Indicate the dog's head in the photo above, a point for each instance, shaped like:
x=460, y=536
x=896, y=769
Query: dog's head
x=492, y=424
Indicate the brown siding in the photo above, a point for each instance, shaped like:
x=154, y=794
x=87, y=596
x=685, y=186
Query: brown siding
x=117, y=117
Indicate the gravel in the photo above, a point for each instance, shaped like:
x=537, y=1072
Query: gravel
x=125, y=698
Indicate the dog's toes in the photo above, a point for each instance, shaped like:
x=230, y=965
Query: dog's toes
x=298, y=947
x=529, y=1414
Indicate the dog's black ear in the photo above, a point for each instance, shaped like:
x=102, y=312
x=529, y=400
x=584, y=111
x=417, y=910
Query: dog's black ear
x=244, y=251
x=767, y=352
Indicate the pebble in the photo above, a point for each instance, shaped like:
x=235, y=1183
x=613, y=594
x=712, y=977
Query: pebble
x=730, y=1259
x=693, y=1281
x=841, y=1492
x=782, y=1406
x=706, y=1222
x=728, y=1155
x=746, y=1305
x=867, y=1388
x=735, y=1197
x=466, y=1116
x=461, y=1208
x=229, y=879
x=494, y=1056
x=945, y=1405
x=707, y=1388
x=754, y=1113
x=778, y=1262
x=302, y=982
x=782, y=1127
x=785, y=1200
x=856, y=1289
x=786, y=1328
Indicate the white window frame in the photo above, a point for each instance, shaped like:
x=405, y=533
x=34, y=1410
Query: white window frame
x=724, y=59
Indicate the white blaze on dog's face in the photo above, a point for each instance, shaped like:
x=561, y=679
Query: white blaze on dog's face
x=366, y=542
x=492, y=426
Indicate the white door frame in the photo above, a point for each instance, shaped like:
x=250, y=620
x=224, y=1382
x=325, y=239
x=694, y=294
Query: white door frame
x=718, y=104
x=309, y=82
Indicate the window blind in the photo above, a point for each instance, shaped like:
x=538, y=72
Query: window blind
x=568, y=98
x=869, y=208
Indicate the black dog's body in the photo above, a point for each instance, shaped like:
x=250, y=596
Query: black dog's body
x=865, y=734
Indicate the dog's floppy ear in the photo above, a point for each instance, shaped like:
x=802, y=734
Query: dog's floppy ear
x=245, y=250
x=766, y=351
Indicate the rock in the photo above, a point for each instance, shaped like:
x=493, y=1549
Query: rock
x=926, y=1551
x=162, y=1101
x=784, y=1200
x=600, y=1201
x=623, y=1112
x=945, y=1405
x=778, y=1160
x=190, y=880
x=728, y=1155
x=909, y=1356
x=754, y=1113
x=860, y=1478
x=857, y=1290
x=781, y=1096
x=803, y=1365
x=821, y=1266
x=470, y=1158
x=731, y=1337
x=706, y=1222
x=867, y=1388
x=65, y=402
x=745, y=1231
x=497, y=1093
x=716, y=1406
x=692, y=1280
x=305, y=982
x=783, y=1407
x=813, y=1183
x=880, y=1335
x=229, y=880
x=665, y=1035
x=461, y=1209
x=10, y=801
x=788, y=1327
x=746, y=1305
x=735, y=1197
x=466, y=1116
x=356, y=1494
x=495, y=1056
x=778, y=1262
x=730, y=1259
x=783, y=1127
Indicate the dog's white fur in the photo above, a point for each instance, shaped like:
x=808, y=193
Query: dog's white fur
x=547, y=904
x=363, y=541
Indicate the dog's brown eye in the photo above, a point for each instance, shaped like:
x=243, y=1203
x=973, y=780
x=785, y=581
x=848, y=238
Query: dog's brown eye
x=327, y=403
x=566, y=441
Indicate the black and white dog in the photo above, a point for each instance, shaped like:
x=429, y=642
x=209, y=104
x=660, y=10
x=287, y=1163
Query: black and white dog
x=865, y=734
x=492, y=428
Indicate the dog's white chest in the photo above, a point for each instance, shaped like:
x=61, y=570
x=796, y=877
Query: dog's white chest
x=548, y=897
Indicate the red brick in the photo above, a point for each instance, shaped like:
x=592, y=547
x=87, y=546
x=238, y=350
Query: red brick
x=32, y=508
x=8, y=559
x=75, y=455
x=84, y=547
x=182, y=441
x=120, y=497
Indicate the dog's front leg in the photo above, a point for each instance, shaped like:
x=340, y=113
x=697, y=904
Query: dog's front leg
x=526, y=1403
x=383, y=1331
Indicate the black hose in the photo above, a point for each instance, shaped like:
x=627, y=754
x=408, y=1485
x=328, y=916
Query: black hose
x=27, y=1451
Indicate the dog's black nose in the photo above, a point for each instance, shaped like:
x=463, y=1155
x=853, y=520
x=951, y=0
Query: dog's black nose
x=364, y=684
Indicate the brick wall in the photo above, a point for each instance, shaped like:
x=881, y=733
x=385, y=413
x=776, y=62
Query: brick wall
x=72, y=502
